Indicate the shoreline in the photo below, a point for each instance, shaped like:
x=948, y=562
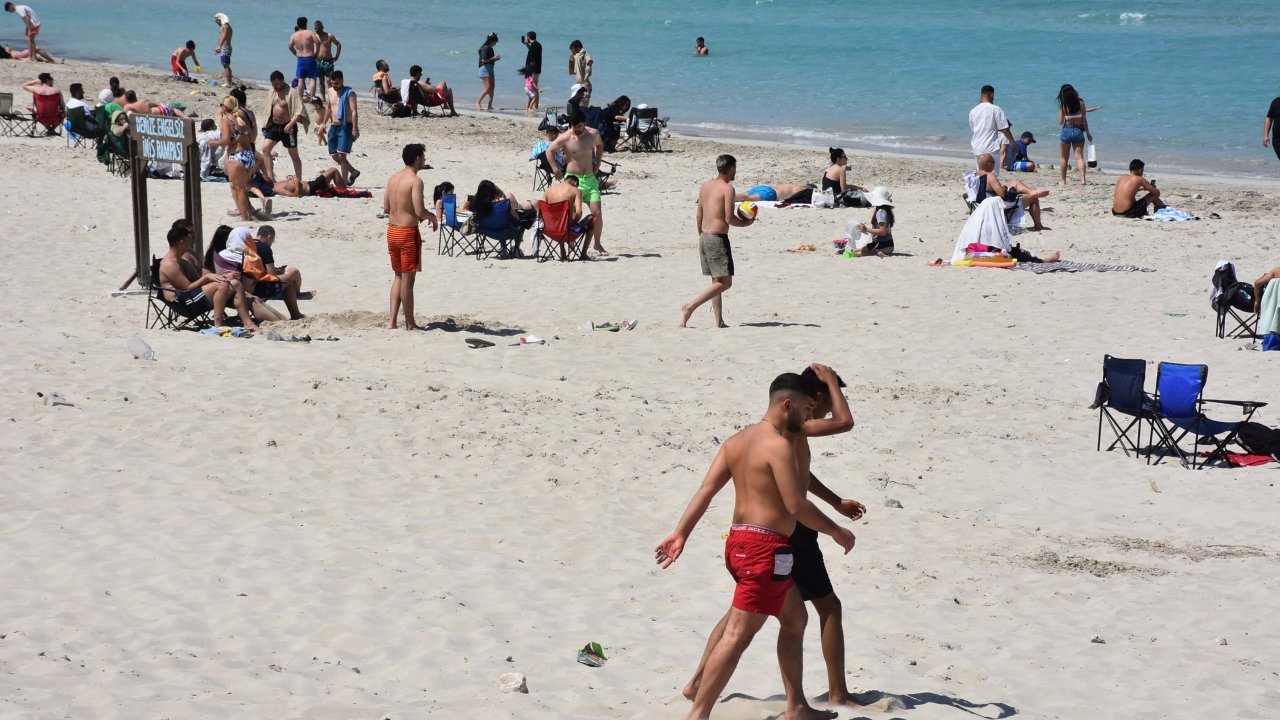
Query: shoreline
x=745, y=136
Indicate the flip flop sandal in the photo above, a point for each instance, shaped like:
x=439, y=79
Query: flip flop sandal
x=477, y=343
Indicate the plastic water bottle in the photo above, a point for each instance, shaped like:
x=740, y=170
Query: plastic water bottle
x=140, y=349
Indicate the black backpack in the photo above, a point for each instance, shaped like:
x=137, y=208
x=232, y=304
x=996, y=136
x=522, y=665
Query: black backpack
x=1258, y=439
x=1231, y=292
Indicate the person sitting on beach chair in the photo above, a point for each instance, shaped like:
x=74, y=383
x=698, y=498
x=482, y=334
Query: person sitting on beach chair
x=50, y=105
x=417, y=92
x=386, y=96
x=193, y=289
x=984, y=183
x=1125, y=201
x=1259, y=286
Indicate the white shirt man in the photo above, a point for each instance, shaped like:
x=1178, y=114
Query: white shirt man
x=988, y=123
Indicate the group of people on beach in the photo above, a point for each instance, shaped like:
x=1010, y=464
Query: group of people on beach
x=581, y=66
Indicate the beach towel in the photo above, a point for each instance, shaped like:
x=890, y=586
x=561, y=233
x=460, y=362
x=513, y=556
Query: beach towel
x=333, y=192
x=1065, y=266
x=986, y=226
x=1170, y=214
x=1269, y=314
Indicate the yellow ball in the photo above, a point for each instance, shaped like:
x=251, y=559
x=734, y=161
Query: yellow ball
x=746, y=210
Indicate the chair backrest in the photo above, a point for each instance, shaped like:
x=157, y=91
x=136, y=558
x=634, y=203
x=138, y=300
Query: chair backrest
x=449, y=203
x=555, y=219
x=1125, y=379
x=498, y=221
x=1178, y=388
x=6, y=103
x=79, y=122
x=48, y=112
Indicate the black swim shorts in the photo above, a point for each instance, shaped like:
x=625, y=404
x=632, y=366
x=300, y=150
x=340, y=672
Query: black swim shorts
x=809, y=571
x=276, y=133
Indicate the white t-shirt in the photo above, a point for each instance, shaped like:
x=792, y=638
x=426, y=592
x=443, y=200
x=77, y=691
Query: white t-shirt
x=987, y=120
x=74, y=103
x=23, y=11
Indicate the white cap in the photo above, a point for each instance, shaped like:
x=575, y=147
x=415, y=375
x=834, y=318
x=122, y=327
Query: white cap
x=573, y=91
x=105, y=96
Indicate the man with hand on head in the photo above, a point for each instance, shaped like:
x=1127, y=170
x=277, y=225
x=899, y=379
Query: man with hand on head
x=769, y=498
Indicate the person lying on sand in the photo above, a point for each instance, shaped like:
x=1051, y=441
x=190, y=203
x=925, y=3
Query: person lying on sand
x=143, y=106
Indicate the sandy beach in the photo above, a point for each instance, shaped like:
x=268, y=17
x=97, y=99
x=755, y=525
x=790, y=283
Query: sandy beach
x=382, y=526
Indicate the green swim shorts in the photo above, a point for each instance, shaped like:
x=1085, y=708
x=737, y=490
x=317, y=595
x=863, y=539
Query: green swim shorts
x=589, y=186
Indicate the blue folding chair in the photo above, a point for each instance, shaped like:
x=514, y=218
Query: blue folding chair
x=452, y=240
x=1122, y=402
x=1179, y=408
x=496, y=230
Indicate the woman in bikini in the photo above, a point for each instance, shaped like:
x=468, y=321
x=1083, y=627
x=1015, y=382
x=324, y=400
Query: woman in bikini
x=1073, y=116
x=240, y=161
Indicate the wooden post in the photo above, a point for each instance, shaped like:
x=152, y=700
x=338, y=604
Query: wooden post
x=167, y=139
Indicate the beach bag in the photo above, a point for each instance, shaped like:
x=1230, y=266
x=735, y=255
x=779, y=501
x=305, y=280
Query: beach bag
x=400, y=110
x=1271, y=341
x=1258, y=439
x=823, y=198
x=853, y=198
x=1091, y=155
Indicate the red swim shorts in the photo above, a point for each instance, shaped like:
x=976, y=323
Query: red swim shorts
x=179, y=68
x=760, y=561
x=405, y=247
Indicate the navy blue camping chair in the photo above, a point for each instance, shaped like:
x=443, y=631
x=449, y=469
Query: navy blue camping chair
x=1179, y=407
x=1122, y=402
x=496, y=231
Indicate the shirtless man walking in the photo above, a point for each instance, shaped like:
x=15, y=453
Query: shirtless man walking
x=715, y=215
x=285, y=112
x=342, y=117
x=222, y=48
x=405, y=209
x=582, y=148
x=810, y=570
x=303, y=44
x=769, y=497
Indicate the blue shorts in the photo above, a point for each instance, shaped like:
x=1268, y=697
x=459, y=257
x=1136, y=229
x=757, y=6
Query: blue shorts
x=486, y=70
x=307, y=68
x=764, y=192
x=1071, y=135
x=226, y=60
x=340, y=139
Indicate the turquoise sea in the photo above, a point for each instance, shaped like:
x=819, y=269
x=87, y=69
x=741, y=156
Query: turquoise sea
x=1184, y=83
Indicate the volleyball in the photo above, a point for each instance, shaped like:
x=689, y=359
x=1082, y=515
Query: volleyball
x=746, y=210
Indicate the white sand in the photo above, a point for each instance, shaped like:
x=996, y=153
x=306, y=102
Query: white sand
x=370, y=528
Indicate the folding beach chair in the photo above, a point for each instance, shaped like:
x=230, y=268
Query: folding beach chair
x=542, y=177
x=498, y=234
x=48, y=112
x=383, y=102
x=644, y=130
x=452, y=240
x=1232, y=299
x=556, y=233
x=15, y=124
x=79, y=134
x=174, y=314
x=552, y=118
x=1122, y=402
x=976, y=190
x=1179, y=409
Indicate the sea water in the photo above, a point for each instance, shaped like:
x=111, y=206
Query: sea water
x=1184, y=84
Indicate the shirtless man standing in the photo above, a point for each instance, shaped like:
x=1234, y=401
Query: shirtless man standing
x=1125, y=202
x=582, y=148
x=405, y=209
x=285, y=112
x=769, y=497
x=810, y=571
x=715, y=215
x=222, y=48
x=303, y=44
x=342, y=117
x=326, y=56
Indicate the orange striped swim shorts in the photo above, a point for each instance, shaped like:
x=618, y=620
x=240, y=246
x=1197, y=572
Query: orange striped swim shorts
x=405, y=246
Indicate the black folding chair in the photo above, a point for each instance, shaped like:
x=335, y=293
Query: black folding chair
x=174, y=314
x=1122, y=402
x=16, y=124
x=1232, y=299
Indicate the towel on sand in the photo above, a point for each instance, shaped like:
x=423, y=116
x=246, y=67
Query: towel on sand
x=1065, y=266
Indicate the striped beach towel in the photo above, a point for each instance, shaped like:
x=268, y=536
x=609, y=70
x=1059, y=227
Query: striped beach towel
x=1065, y=266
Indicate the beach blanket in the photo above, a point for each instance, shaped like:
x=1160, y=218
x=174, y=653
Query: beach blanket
x=1065, y=266
x=332, y=192
x=986, y=226
x=1170, y=214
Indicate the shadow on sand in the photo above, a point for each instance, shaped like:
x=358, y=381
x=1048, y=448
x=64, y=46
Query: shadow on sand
x=884, y=702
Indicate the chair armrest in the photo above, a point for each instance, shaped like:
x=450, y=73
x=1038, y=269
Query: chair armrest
x=1100, y=396
x=1240, y=403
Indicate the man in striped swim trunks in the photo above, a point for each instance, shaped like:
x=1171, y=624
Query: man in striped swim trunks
x=769, y=498
x=405, y=209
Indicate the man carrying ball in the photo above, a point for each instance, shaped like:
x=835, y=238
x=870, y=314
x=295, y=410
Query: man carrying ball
x=716, y=212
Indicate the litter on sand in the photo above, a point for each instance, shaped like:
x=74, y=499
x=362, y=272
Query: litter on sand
x=140, y=349
x=477, y=343
x=592, y=655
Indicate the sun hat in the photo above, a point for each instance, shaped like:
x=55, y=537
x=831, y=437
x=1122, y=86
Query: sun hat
x=880, y=195
x=574, y=90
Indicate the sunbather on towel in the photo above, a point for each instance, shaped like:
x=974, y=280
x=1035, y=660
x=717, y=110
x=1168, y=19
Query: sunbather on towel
x=782, y=192
x=293, y=187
